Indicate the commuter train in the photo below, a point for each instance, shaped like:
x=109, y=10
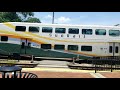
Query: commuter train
x=59, y=40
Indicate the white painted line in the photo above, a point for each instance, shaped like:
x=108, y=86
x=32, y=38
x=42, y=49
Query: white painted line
x=101, y=76
x=94, y=75
x=97, y=75
x=57, y=70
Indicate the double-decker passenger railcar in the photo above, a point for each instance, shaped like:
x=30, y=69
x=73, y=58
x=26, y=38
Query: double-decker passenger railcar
x=59, y=40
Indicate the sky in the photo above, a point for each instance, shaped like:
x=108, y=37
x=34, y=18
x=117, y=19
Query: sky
x=80, y=18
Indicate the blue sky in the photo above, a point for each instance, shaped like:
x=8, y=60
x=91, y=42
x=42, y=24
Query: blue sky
x=82, y=18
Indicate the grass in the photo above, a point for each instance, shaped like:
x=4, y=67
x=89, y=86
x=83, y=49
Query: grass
x=15, y=61
x=8, y=63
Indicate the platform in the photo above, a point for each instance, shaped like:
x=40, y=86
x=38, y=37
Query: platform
x=21, y=63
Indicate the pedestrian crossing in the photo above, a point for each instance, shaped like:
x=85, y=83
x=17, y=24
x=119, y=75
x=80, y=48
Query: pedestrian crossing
x=97, y=75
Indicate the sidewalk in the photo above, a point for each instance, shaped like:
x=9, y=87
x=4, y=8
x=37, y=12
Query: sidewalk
x=59, y=73
x=70, y=73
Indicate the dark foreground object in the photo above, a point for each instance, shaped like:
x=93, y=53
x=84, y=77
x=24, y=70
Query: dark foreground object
x=10, y=69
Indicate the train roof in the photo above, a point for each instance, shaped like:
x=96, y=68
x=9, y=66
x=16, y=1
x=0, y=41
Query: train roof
x=74, y=25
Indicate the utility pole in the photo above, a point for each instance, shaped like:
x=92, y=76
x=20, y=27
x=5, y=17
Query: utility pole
x=53, y=18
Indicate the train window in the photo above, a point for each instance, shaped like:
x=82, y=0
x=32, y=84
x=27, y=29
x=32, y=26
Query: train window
x=73, y=31
x=59, y=47
x=33, y=29
x=73, y=47
x=20, y=28
x=87, y=31
x=4, y=38
x=110, y=49
x=46, y=46
x=86, y=48
x=100, y=32
x=47, y=29
x=60, y=30
x=114, y=32
x=116, y=49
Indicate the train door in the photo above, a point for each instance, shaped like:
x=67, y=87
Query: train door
x=25, y=45
x=114, y=49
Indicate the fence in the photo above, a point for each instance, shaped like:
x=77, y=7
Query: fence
x=106, y=63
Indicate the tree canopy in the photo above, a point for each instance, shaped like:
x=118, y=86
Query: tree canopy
x=18, y=17
x=33, y=20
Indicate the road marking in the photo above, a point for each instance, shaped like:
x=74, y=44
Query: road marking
x=57, y=70
x=100, y=75
x=94, y=75
x=97, y=75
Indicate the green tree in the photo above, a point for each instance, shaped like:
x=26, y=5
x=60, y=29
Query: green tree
x=26, y=14
x=9, y=16
x=17, y=17
x=33, y=20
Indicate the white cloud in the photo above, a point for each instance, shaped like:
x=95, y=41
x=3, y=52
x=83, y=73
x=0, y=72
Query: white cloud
x=48, y=17
x=79, y=18
x=62, y=20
